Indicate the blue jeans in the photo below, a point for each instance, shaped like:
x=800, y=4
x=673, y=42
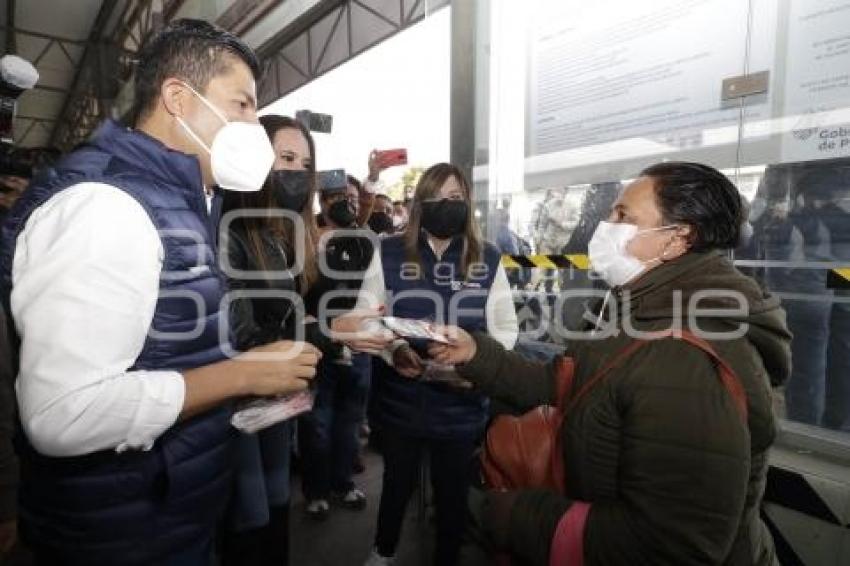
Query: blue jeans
x=328, y=434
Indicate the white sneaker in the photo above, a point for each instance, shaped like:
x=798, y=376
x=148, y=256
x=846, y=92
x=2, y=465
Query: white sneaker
x=351, y=499
x=376, y=559
x=318, y=509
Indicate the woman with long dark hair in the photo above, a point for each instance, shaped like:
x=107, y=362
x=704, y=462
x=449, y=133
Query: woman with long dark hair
x=440, y=270
x=265, y=234
x=256, y=529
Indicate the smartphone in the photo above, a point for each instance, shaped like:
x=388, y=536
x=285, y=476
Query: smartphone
x=315, y=122
x=411, y=328
x=391, y=158
x=332, y=179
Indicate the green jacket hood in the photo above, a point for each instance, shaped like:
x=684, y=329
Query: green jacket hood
x=707, y=288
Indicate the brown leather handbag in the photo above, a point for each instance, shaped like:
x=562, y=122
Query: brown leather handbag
x=526, y=451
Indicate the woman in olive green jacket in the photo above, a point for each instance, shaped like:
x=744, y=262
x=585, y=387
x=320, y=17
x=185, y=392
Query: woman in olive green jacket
x=661, y=466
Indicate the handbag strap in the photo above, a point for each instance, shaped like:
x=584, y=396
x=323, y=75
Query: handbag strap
x=728, y=378
x=568, y=541
x=727, y=375
x=564, y=378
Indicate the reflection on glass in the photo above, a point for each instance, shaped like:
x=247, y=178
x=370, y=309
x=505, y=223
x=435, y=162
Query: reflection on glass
x=801, y=216
x=604, y=97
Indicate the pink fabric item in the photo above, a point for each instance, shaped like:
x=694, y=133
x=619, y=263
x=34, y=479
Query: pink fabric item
x=568, y=543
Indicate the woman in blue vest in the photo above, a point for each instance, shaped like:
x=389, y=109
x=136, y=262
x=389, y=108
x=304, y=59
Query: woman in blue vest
x=262, y=254
x=438, y=270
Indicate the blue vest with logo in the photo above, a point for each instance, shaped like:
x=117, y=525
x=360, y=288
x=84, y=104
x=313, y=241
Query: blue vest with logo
x=443, y=294
x=136, y=507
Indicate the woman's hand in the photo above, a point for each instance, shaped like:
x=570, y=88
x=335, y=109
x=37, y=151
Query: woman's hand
x=278, y=368
x=460, y=349
x=375, y=167
x=407, y=362
x=360, y=331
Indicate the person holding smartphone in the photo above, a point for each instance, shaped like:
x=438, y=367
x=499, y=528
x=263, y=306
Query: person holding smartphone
x=439, y=270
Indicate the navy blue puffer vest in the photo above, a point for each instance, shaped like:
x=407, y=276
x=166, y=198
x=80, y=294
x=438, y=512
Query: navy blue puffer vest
x=137, y=507
x=443, y=294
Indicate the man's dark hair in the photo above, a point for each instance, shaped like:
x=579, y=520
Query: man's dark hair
x=385, y=197
x=701, y=197
x=192, y=50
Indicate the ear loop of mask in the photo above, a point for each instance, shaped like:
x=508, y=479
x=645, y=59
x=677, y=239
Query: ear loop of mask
x=659, y=258
x=597, y=326
x=598, y=323
x=210, y=106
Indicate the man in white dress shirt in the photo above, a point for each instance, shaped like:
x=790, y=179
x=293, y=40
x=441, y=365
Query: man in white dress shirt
x=108, y=268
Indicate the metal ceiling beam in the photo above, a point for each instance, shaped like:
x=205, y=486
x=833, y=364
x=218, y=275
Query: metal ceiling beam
x=91, y=99
x=20, y=31
x=36, y=118
x=299, y=26
x=26, y=132
x=379, y=15
x=412, y=10
x=242, y=15
x=126, y=26
x=48, y=88
x=170, y=9
x=345, y=11
x=258, y=17
x=11, y=38
x=88, y=54
x=272, y=53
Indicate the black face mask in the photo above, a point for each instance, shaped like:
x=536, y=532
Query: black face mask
x=381, y=222
x=444, y=218
x=341, y=214
x=290, y=188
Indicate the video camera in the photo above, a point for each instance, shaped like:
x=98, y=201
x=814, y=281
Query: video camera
x=16, y=76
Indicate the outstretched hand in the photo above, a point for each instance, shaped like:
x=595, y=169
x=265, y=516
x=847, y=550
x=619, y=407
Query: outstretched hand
x=361, y=331
x=460, y=349
x=407, y=362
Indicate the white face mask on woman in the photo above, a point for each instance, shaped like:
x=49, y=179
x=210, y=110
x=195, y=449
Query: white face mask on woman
x=609, y=256
x=241, y=155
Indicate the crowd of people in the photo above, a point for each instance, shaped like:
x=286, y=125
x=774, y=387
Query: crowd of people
x=176, y=270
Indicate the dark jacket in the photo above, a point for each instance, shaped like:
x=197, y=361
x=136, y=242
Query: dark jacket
x=257, y=320
x=658, y=448
x=348, y=253
x=139, y=505
x=261, y=475
x=8, y=459
x=414, y=407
